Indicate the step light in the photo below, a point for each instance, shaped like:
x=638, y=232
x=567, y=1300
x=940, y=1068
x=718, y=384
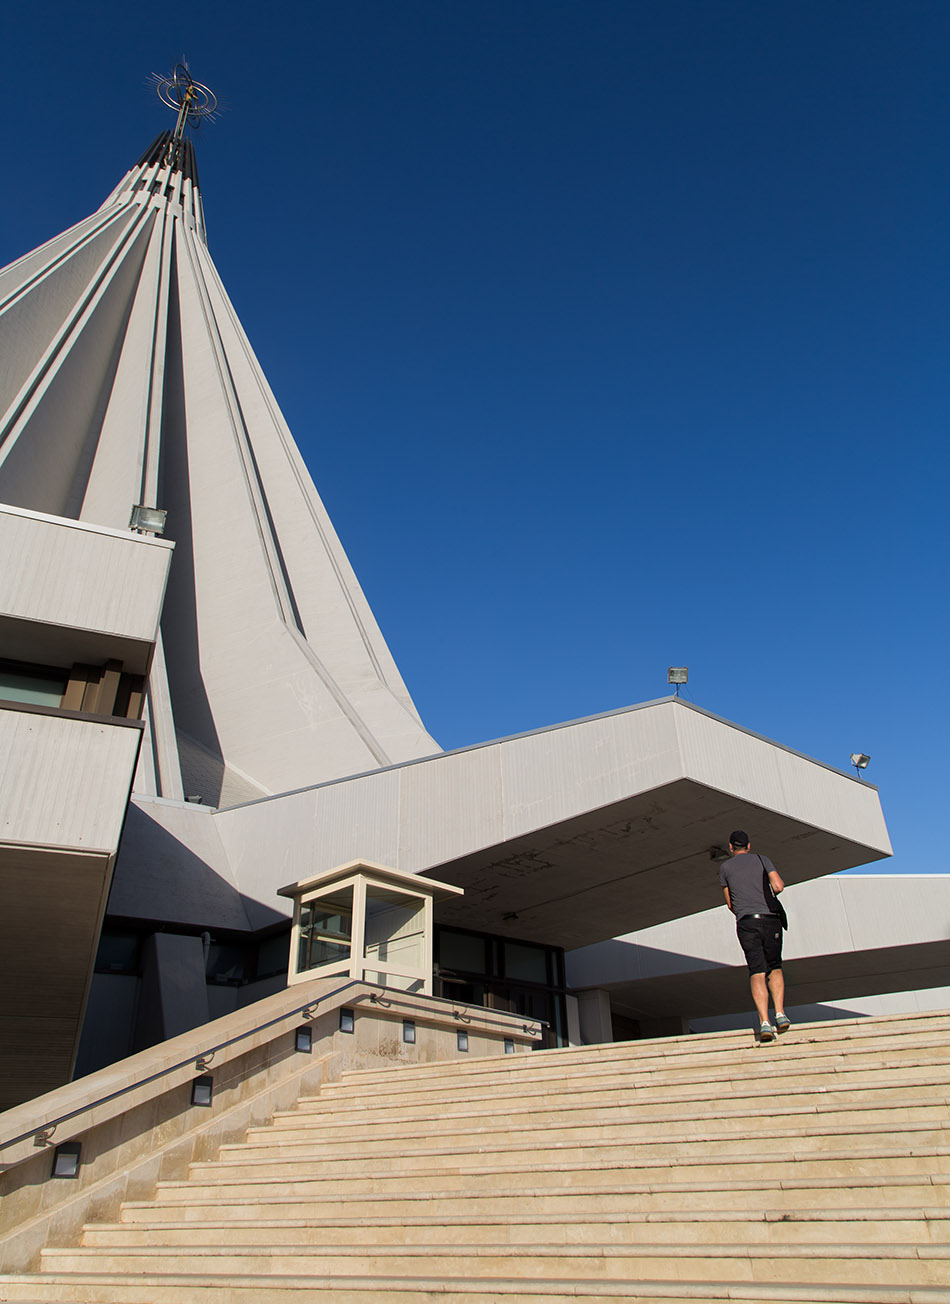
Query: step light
x=409, y=1031
x=202, y=1089
x=347, y=1021
x=303, y=1040
x=66, y=1159
x=462, y=1039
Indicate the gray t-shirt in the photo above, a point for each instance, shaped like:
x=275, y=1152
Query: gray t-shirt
x=743, y=877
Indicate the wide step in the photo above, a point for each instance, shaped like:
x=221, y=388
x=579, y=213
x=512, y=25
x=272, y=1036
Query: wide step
x=816, y=1170
x=119, y=1288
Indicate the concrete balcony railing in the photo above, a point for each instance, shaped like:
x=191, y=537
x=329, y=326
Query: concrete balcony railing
x=70, y=591
x=64, y=780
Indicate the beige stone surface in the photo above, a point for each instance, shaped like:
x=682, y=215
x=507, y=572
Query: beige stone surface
x=542, y=1177
x=138, y=1128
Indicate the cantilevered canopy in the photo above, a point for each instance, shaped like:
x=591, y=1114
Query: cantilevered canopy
x=576, y=833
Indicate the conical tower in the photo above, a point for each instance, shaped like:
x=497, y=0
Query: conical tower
x=126, y=378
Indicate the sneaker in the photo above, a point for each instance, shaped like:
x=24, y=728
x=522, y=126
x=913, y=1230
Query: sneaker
x=782, y=1023
x=766, y=1032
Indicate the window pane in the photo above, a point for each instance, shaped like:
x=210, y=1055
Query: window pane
x=395, y=927
x=38, y=690
x=225, y=963
x=272, y=955
x=326, y=927
x=529, y=963
x=118, y=953
x=461, y=951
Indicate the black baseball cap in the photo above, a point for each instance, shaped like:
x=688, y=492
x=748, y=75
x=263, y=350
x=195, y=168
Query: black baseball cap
x=738, y=838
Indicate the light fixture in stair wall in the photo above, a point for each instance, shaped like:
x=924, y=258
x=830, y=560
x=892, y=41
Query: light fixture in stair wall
x=303, y=1040
x=409, y=1031
x=202, y=1090
x=66, y=1159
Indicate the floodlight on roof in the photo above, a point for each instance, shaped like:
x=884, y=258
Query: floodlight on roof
x=677, y=675
x=860, y=762
x=147, y=520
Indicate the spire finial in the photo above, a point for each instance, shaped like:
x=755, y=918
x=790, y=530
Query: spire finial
x=190, y=99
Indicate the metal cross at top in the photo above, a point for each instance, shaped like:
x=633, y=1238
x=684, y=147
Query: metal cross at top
x=191, y=100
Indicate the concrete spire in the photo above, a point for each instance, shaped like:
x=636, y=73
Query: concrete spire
x=126, y=377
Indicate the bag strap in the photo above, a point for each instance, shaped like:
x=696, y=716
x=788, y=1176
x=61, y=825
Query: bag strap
x=770, y=896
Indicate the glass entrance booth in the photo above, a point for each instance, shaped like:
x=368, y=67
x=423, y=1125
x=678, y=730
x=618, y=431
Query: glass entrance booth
x=366, y=921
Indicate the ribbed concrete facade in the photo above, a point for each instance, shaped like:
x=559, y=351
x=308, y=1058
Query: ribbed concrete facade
x=125, y=377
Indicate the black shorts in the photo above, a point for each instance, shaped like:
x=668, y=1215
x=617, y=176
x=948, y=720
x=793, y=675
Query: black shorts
x=761, y=939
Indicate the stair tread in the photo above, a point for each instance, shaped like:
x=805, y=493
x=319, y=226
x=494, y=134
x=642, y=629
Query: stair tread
x=890, y=1213
x=607, y=1249
x=630, y=1290
x=784, y=1156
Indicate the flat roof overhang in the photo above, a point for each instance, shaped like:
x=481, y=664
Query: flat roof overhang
x=646, y=857
x=571, y=834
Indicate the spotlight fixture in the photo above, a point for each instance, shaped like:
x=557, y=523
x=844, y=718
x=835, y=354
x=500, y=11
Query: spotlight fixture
x=860, y=762
x=147, y=520
x=202, y=1089
x=66, y=1159
x=677, y=675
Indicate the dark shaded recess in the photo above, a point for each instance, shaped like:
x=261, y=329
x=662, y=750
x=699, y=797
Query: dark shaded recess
x=185, y=163
x=161, y=883
x=180, y=614
x=701, y=989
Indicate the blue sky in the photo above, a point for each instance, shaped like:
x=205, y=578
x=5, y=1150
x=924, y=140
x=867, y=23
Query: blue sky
x=614, y=334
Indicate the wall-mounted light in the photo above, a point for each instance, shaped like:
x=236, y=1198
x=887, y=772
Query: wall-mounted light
x=202, y=1089
x=509, y=1046
x=303, y=1040
x=409, y=1031
x=66, y=1159
x=347, y=1021
x=147, y=520
x=462, y=1039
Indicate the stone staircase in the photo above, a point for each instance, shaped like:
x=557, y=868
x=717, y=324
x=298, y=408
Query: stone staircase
x=816, y=1168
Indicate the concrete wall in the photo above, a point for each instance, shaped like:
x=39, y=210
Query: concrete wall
x=64, y=782
x=60, y=573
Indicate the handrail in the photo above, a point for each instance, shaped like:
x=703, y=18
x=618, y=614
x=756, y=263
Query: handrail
x=42, y=1134
x=457, y=1012
x=203, y=1060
